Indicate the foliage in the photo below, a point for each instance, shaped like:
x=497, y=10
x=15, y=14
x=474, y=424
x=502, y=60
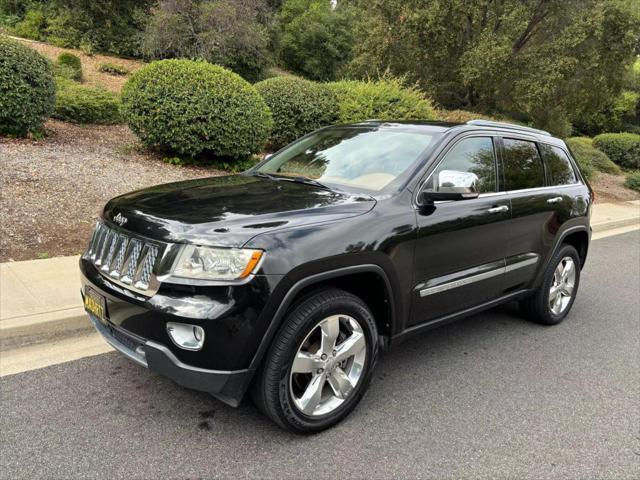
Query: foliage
x=622, y=148
x=555, y=62
x=108, y=25
x=385, y=99
x=586, y=154
x=113, y=69
x=80, y=104
x=316, y=38
x=69, y=66
x=32, y=25
x=27, y=90
x=298, y=107
x=633, y=181
x=193, y=107
x=226, y=32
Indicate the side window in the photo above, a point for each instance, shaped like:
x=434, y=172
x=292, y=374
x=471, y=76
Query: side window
x=469, y=167
x=522, y=165
x=558, y=165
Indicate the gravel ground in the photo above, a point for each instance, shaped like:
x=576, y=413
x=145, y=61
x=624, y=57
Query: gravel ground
x=52, y=190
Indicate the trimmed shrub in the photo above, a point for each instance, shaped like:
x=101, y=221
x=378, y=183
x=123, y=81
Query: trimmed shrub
x=384, y=99
x=79, y=104
x=585, y=152
x=113, y=69
x=27, y=90
x=69, y=66
x=633, y=181
x=622, y=148
x=298, y=107
x=190, y=107
x=32, y=25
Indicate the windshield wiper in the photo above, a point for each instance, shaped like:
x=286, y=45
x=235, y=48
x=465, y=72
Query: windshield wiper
x=286, y=178
x=309, y=181
x=263, y=175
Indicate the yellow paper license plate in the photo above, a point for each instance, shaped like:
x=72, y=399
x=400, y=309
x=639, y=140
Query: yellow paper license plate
x=95, y=303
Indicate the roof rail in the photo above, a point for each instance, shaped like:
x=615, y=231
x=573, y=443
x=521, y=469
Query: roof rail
x=509, y=126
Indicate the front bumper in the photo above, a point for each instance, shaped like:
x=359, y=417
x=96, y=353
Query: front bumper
x=228, y=386
x=234, y=320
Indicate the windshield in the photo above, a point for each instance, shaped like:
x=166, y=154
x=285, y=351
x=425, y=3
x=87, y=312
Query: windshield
x=356, y=158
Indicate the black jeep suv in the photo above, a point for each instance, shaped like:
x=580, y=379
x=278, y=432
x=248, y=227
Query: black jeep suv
x=287, y=280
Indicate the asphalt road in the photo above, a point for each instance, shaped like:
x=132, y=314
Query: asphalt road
x=489, y=396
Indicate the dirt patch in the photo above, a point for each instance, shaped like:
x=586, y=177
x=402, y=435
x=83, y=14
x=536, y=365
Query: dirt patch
x=52, y=190
x=610, y=188
x=90, y=64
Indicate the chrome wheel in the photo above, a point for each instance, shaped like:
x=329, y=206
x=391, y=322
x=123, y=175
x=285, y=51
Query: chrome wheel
x=328, y=365
x=561, y=291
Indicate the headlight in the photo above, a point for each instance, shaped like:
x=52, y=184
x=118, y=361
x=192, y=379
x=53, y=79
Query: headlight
x=208, y=263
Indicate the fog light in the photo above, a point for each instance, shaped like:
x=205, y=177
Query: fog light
x=188, y=337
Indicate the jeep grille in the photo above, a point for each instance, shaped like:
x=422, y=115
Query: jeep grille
x=123, y=258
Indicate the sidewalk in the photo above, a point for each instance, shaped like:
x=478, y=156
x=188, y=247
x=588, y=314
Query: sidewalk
x=43, y=296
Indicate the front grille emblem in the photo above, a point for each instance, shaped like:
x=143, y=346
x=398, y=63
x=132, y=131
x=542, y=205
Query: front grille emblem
x=120, y=220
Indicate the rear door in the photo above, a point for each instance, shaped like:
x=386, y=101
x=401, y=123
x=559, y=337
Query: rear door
x=459, y=257
x=534, y=220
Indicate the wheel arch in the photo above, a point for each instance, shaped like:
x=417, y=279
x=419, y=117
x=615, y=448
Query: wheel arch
x=347, y=279
x=578, y=236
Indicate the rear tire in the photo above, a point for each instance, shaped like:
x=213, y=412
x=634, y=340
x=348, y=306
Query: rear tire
x=553, y=299
x=319, y=364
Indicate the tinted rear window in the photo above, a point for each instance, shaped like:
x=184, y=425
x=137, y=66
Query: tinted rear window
x=522, y=165
x=558, y=165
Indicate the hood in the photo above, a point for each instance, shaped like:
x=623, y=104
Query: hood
x=229, y=211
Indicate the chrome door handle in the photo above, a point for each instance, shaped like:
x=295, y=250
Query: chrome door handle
x=500, y=209
x=554, y=200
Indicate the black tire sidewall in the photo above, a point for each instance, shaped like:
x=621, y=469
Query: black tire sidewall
x=306, y=317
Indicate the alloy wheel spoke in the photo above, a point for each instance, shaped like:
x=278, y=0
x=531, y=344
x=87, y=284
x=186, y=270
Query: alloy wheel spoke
x=330, y=330
x=313, y=394
x=567, y=270
x=351, y=346
x=306, y=363
x=557, y=304
x=557, y=275
x=340, y=383
x=567, y=290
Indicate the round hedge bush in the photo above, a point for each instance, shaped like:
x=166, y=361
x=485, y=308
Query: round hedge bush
x=586, y=154
x=27, y=90
x=298, y=107
x=622, y=148
x=384, y=99
x=193, y=107
x=633, y=181
x=69, y=66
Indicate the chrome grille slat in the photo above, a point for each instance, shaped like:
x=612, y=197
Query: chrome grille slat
x=127, y=260
x=131, y=261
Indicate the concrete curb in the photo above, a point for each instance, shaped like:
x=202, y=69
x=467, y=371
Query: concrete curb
x=70, y=319
x=613, y=224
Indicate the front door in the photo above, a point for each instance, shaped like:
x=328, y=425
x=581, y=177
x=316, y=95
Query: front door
x=459, y=259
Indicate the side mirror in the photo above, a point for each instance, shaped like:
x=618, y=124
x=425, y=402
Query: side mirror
x=451, y=185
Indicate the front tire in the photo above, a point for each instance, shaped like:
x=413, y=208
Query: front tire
x=320, y=363
x=552, y=301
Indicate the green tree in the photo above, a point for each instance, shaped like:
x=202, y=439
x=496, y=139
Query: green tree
x=231, y=33
x=548, y=62
x=317, y=39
